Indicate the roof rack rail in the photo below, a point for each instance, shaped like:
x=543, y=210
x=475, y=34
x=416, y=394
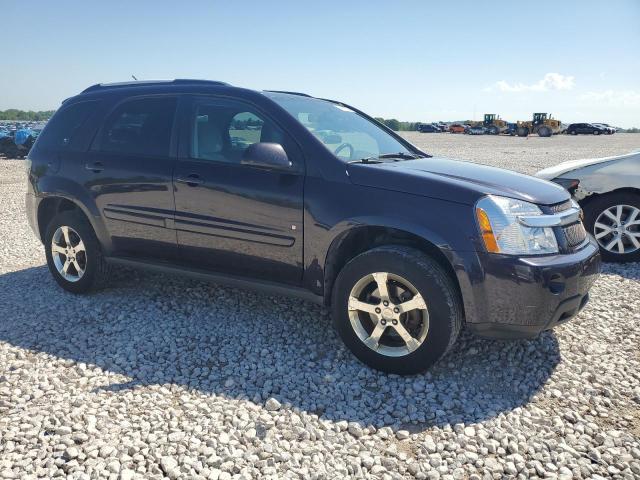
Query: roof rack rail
x=289, y=93
x=177, y=81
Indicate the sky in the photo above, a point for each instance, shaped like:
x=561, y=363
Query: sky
x=410, y=60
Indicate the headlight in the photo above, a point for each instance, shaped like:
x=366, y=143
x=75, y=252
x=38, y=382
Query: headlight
x=502, y=232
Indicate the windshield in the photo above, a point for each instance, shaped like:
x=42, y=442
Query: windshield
x=345, y=133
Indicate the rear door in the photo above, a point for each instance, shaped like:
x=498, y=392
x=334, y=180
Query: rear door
x=129, y=173
x=231, y=217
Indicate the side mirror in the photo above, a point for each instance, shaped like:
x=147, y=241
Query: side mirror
x=266, y=155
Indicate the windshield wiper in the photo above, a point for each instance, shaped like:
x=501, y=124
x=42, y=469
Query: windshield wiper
x=366, y=160
x=397, y=156
x=403, y=155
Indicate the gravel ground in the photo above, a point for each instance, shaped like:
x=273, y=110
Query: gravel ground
x=165, y=377
x=525, y=155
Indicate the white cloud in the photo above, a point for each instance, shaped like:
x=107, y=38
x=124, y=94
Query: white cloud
x=614, y=98
x=551, y=81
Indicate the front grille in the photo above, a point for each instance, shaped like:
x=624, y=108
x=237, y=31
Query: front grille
x=575, y=234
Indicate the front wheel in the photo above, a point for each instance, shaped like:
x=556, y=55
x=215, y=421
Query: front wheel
x=523, y=132
x=596, y=132
x=396, y=309
x=74, y=256
x=614, y=221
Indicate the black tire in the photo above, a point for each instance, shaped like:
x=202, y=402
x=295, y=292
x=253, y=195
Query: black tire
x=96, y=272
x=544, y=132
x=445, y=312
x=593, y=209
x=523, y=132
x=573, y=132
x=494, y=130
x=596, y=132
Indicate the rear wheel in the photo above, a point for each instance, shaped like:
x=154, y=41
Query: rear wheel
x=614, y=221
x=573, y=132
x=74, y=256
x=544, y=132
x=396, y=309
x=523, y=132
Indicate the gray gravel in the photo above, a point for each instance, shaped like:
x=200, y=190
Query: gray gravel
x=166, y=377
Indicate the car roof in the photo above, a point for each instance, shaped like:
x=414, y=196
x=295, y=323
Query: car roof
x=179, y=85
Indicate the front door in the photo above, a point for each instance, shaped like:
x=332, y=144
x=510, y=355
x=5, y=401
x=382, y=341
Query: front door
x=230, y=217
x=129, y=172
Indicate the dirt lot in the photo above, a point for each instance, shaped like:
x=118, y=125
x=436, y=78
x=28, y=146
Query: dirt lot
x=159, y=377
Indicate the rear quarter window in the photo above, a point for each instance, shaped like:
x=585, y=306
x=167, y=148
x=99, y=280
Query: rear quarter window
x=61, y=130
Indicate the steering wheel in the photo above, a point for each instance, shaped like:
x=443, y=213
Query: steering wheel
x=342, y=147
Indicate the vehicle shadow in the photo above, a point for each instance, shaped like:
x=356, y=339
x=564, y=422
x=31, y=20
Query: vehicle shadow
x=155, y=329
x=629, y=271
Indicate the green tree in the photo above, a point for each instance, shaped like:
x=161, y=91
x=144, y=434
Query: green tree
x=14, y=114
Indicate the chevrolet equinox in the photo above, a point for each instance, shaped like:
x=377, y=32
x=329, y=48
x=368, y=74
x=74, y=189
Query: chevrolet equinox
x=291, y=194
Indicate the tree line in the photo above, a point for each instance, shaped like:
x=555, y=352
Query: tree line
x=397, y=125
x=29, y=115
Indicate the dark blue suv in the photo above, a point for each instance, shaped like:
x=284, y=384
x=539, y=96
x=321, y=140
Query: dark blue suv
x=297, y=195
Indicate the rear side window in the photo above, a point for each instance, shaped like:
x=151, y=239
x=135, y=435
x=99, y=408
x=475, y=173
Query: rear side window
x=140, y=127
x=61, y=129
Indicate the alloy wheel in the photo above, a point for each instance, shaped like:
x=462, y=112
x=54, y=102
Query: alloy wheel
x=388, y=314
x=617, y=229
x=69, y=253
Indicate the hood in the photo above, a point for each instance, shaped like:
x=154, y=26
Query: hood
x=566, y=167
x=456, y=181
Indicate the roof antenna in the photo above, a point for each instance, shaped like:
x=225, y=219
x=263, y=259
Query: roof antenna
x=134, y=77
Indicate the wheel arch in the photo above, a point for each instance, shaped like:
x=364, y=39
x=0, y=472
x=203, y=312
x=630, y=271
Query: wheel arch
x=51, y=205
x=587, y=200
x=361, y=238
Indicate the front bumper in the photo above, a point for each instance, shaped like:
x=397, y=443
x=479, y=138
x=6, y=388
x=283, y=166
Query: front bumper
x=519, y=297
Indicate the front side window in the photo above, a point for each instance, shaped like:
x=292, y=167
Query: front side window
x=347, y=134
x=222, y=131
x=140, y=127
x=61, y=129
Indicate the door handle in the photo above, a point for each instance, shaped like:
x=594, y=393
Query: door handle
x=95, y=167
x=193, y=180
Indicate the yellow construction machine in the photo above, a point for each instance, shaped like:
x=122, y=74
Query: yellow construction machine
x=543, y=125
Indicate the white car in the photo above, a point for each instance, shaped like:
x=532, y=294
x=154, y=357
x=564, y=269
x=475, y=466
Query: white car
x=608, y=190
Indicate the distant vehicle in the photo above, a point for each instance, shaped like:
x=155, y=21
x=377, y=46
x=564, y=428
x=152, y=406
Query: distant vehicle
x=608, y=190
x=512, y=129
x=541, y=123
x=586, y=128
x=17, y=144
x=476, y=130
x=457, y=128
x=494, y=124
x=610, y=130
x=426, y=128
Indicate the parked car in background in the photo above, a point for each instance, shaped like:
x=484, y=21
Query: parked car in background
x=427, y=128
x=457, y=128
x=608, y=190
x=403, y=247
x=476, y=130
x=609, y=129
x=586, y=128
